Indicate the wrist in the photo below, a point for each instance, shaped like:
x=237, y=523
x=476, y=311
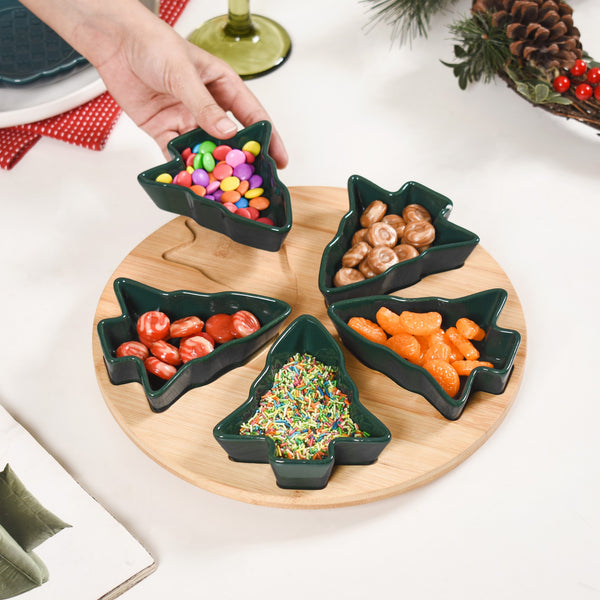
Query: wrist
x=95, y=28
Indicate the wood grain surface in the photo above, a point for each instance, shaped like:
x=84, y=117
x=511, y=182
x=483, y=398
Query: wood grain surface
x=424, y=445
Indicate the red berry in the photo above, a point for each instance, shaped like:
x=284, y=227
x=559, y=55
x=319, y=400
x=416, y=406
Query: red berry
x=579, y=68
x=597, y=93
x=561, y=84
x=593, y=75
x=584, y=91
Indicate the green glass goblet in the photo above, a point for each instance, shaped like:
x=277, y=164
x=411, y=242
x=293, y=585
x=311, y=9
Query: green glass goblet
x=252, y=44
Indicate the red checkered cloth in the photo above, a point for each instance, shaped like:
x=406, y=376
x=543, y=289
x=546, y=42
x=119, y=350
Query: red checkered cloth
x=88, y=125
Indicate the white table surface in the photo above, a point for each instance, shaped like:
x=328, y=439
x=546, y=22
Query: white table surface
x=520, y=517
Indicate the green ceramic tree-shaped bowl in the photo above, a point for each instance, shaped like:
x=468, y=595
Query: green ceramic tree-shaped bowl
x=214, y=215
x=304, y=335
x=136, y=298
x=451, y=247
x=498, y=347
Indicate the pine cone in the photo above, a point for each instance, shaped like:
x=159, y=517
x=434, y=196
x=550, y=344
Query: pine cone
x=492, y=6
x=542, y=31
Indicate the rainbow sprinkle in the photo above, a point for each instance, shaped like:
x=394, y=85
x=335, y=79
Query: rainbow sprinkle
x=303, y=411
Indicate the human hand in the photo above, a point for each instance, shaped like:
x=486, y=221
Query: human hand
x=169, y=86
x=164, y=83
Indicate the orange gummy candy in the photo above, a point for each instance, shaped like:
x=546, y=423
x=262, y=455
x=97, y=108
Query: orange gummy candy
x=389, y=321
x=406, y=345
x=436, y=337
x=445, y=374
x=423, y=341
x=464, y=367
x=420, y=323
x=439, y=350
x=462, y=343
x=455, y=353
x=470, y=329
x=368, y=329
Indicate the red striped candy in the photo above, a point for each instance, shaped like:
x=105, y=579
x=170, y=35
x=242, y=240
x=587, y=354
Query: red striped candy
x=153, y=325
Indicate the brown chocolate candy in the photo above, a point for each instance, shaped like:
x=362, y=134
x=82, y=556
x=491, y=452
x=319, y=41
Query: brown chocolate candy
x=382, y=234
x=381, y=258
x=418, y=234
x=415, y=212
x=397, y=222
x=356, y=254
x=346, y=276
x=359, y=236
x=405, y=252
x=373, y=213
x=366, y=270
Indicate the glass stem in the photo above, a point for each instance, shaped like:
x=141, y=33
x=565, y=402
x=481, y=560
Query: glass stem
x=239, y=23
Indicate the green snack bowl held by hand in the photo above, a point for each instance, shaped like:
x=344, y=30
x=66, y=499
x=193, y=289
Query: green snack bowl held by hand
x=213, y=214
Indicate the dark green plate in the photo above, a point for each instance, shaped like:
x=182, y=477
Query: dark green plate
x=136, y=298
x=213, y=215
x=304, y=335
x=498, y=347
x=29, y=49
x=451, y=247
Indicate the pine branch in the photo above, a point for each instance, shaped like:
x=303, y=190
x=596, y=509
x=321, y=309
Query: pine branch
x=482, y=49
x=408, y=18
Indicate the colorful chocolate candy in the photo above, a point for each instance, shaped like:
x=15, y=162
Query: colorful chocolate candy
x=226, y=175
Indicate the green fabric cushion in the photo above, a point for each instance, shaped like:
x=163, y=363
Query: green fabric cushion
x=23, y=517
x=20, y=571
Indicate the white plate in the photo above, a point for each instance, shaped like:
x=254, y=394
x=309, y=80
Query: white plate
x=47, y=98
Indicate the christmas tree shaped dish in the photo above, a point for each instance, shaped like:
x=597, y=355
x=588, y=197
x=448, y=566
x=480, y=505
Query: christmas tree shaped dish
x=136, y=298
x=304, y=342
x=210, y=212
x=450, y=248
x=498, y=347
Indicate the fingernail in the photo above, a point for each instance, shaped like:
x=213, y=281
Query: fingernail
x=226, y=126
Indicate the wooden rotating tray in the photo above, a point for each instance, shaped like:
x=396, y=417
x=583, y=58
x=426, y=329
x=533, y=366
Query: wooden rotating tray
x=424, y=445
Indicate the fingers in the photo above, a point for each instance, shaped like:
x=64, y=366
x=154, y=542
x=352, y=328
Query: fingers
x=246, y=108
x=219, y=89
x=208, y=114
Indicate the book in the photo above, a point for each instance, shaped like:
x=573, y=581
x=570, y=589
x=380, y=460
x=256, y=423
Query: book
x=94, y=559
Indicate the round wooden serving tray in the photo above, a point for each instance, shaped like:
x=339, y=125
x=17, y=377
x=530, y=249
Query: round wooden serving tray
x=424, y=445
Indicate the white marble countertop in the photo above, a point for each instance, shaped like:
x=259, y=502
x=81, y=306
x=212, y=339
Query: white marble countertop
x=519, y=518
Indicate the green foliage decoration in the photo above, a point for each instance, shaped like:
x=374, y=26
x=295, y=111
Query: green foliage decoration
x=482, y=53
x=409, y=19
x=481, y=49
